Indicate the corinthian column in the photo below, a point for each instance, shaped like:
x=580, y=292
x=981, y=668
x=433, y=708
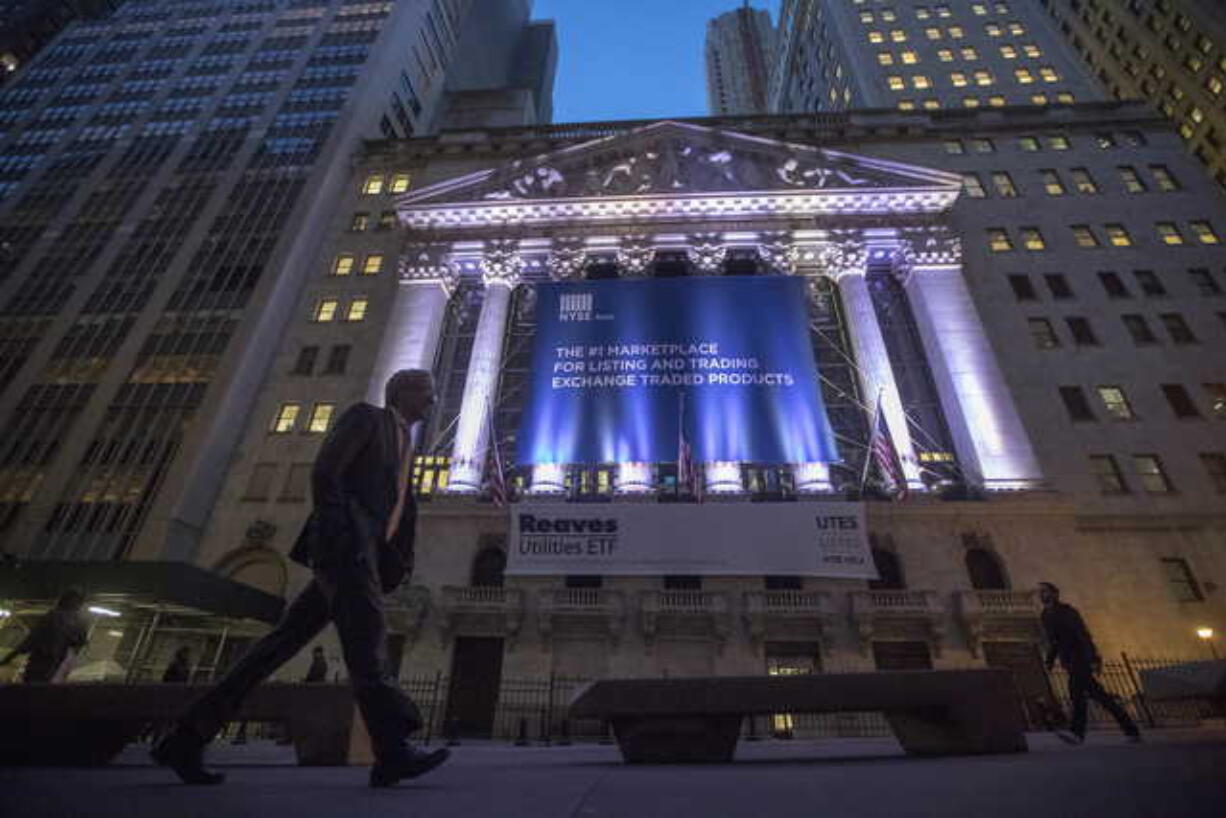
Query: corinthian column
x=501, y=267
x=411, y=335
x=988, y=434
x=848, y=263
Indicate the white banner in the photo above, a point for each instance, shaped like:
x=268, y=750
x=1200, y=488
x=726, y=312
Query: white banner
x=800, y=539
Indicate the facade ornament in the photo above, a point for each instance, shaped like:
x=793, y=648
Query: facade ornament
x=502, y=263
x=707, y=252
x=566, y=260
x=260, y=533
x=779, y=252
x=423, y=264
x=844, y=253
x=931, y=247
x=634, y=254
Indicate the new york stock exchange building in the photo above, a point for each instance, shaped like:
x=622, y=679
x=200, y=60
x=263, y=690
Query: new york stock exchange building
x=777, y=395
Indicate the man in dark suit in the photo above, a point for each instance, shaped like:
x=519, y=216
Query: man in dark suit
x=358, y=542
x=1069, y=639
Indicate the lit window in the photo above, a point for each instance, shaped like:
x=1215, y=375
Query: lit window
x=943, y=11
x=373, y=185
x=360, y=223
x=895, y=83
x=1003, y=183
x=1117, y=234
x=286, y=418
x=866, y=17
x=357, y=309
x=954, y=146
x=1153, y=477
x=1023, y=75
x=970, y=54
x=1116, y=403
x=325, y=309
x=1204, y=232
x=932, y=104
x=992, y=30
x=1032, y=239
x=888, y=16
x=1058, y=143
x=1169, y=233
x=400, y=183
x=1017, y=29
x=958, y=78
x=970, y=102
x=1107, y=472
x=983, y=77
x=972, y=186
x=373, y=265
x=387, y=220
x=1084, y=236
x=956, y=32
x=876, y=37
x=1031, y=50
x=1052, y=183
x=1132, y=180
x=885, y=58
x=321, y=417
x=932, y=33
x=983, y=145
x=1038, y=99
x=921, y=81
x=343, y=265
x=906, y=105
x=1065, y=98
x=1008, y=52
x=1084, y=181
x=1049, y=74
x=1042, y=333
x=998, y=240
x=1214, y=86
x=1028, y=143
x=909, y=58
x=898, y=35
x=945, y=55
x=1217, y=399
x=922, y=13
x=996, y=101
x=979, y=8
x=1166, y=182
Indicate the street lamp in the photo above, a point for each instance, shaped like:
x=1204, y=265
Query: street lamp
x=1206, y=636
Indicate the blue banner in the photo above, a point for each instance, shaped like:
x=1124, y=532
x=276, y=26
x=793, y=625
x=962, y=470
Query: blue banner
x=618, y=364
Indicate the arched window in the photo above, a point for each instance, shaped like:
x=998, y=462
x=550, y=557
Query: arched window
x=985, y=570
x=889, y=568
x=487, y=568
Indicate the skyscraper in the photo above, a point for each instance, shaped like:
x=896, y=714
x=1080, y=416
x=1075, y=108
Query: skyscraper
x=1170, y=52
x=919, y=55
x=740, y=52
x=28, y=25
x=164, y=174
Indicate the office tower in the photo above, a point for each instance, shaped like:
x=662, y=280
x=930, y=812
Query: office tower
x=910, y=55
x=740, y=52
x=28, y=25
x=1171, y=53
x=165, y=174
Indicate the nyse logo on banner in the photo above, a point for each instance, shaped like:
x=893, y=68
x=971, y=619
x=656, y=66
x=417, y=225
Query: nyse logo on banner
x=575, y=307
x=550, y=535
x=838, y=539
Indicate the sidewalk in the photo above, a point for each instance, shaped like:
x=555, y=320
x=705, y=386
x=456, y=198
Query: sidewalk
x=1175, y=774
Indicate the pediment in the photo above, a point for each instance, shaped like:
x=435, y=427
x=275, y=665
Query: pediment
x=670, y=161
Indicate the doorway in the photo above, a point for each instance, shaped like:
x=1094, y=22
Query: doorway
x=472, y=693
x=1033, y=686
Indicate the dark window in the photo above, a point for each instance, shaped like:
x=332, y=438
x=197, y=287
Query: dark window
x=889, y=567
x=583, y=581
x=338, y=359
x=682, y=582
x=1177, y=328
x=1139, y=329
x=1149, y=282
x=488, y=567
x=305, y=364
x=1076, y=404
x=1083, y=333
x=984, y=570
x=1058, y=285
x=784, y=583
x=1023, y=290
x=387, y=220
x=1215, y=467
x=1205, y=282
x=1181, y=581
x=1107, y=472
x=1043, y=333
x=1113, y=285
x=902, y=656
x=1180, y=401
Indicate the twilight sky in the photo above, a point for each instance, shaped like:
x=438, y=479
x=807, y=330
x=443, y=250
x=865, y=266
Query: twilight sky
x=632, y=59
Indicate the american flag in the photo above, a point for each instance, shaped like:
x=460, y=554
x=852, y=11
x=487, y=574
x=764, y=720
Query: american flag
x=688, y=480
x=498, y=477
x=881, y=449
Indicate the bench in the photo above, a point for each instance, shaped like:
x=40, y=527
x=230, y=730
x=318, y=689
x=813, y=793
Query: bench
x=89, y=724
x=932, y=712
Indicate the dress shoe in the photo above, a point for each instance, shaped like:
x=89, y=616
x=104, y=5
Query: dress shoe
x=413, y=763
x=184, y=753
x=1069, y=737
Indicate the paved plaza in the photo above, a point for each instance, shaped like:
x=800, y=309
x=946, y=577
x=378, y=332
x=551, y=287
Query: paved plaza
x=1175, y=774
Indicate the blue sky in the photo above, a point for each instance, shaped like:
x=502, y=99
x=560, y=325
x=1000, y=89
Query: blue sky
x=632, y=59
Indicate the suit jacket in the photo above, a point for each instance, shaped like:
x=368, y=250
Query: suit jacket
x=1068, y=638
x=353, y=489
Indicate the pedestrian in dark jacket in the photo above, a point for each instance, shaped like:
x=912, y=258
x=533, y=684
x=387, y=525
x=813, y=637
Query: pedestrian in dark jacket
x=56, y=638
x=1069, y=640
x=318, y=671
x=180, y=668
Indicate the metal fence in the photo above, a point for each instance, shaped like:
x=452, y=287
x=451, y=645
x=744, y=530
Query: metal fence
x=534, y=710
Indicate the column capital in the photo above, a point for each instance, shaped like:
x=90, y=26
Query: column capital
x=926, y=247
x=567, y=258
x=844, y=255
x=423, y=264
x=634, y=253
x=780, y=251
x=502, y=263
x=707, y=252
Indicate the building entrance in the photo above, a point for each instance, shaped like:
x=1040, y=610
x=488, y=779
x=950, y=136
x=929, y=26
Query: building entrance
x=472, y=695
x=1033, y=686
